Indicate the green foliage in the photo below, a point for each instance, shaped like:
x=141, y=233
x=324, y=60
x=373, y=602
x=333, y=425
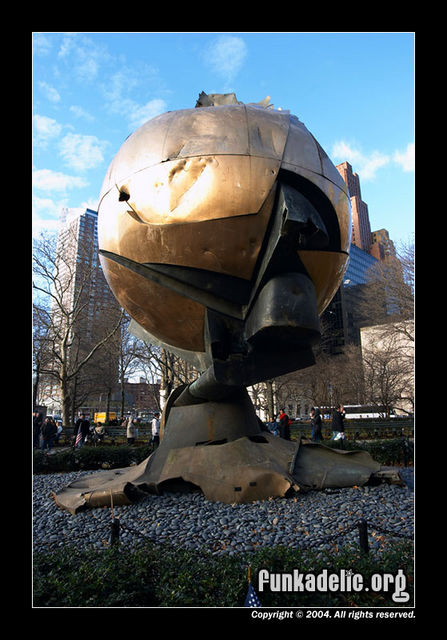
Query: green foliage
x=89, y=458
x=159, y=576
x=386, y=452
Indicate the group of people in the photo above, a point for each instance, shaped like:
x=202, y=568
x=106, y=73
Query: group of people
x=338, y=430
x=82, y=430
x=282, y=428
x=131, y=425
x=46, y=432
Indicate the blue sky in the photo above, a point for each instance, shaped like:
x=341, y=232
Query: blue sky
x=353, y=91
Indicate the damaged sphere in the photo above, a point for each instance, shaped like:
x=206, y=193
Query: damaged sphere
x=224, y=232
x=186, y=212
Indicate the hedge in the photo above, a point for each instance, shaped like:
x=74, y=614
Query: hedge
x=385, y=452
x=89, y=458
x=155, y=576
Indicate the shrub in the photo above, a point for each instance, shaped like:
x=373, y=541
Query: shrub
x=153, y=575
x=89, y=458
x=386, y=452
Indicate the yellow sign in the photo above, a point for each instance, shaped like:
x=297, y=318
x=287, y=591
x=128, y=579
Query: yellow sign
x=101, y=417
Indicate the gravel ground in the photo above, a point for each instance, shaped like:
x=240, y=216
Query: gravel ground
x=190, y=521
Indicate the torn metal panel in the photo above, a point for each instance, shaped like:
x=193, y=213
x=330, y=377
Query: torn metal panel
x=102, y=489
x=318, y=467
x=246, y=469
x=243, y=470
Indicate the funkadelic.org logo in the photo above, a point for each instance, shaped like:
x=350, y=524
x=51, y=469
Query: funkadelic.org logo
x=344, y=580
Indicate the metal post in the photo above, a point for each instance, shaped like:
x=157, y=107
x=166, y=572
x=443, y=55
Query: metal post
x=115, y=532
x=405, y=451
x=363, y=535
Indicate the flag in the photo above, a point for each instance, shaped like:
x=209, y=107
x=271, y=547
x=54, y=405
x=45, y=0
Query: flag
x=252, y=599
x=78, y=437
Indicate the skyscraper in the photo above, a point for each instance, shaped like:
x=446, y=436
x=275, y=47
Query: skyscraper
x=342, y=319
x=87, y=287
x=361, y=229
x=382, y=247
x=83, y=303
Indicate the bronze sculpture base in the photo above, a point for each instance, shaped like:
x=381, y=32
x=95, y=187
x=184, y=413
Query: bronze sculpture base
x=218, y=447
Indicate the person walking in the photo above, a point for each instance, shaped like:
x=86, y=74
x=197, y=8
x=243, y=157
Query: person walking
x=37, y=426
x=81, y=430
x=315, y=421
x=338, y=423
x=131, y=430
x=273, y=426
x=49, y=431
x=284, y=425
x=99, y=433
x=155, y=441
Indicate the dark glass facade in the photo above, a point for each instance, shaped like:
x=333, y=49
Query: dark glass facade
x=341, y=322
x=358, y=265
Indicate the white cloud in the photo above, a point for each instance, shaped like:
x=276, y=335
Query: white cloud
x=41, y=44
x=127, y=81
x=406, y=158
x=46, y=214
x=91, y=203
x=366, y=166
x=50, y=181
x=50, y=92
x=83, y=56
x=225, y=56
x=138, y=115
x=40, y=225
x=119, y=84
x=66, y=47
x=372, y=163
x=79, y=112
x=81, y=152
x=45, y=129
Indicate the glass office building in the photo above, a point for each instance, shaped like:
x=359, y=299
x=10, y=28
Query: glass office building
x=359, y=264
x=341, y=321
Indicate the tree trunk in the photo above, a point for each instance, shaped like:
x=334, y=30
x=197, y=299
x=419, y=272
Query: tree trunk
x=109, y=395
x=166, y=379
x=65, y=397
x=122, y=396
x=36, y=385
x=270, y=404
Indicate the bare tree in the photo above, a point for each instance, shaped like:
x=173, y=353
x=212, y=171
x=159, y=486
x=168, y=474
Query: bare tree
x=388, y=354
x=159, y=364
x=388, y=370
x=64, y=296
x=390, y=288
x=332, y=379
x=128, y=351
x=41, y=354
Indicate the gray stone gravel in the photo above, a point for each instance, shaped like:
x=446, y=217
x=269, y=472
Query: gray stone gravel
x=192, y=522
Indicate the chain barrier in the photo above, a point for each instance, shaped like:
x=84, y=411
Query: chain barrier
x=116, y=526
x=113, y=529
x=329, y=538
